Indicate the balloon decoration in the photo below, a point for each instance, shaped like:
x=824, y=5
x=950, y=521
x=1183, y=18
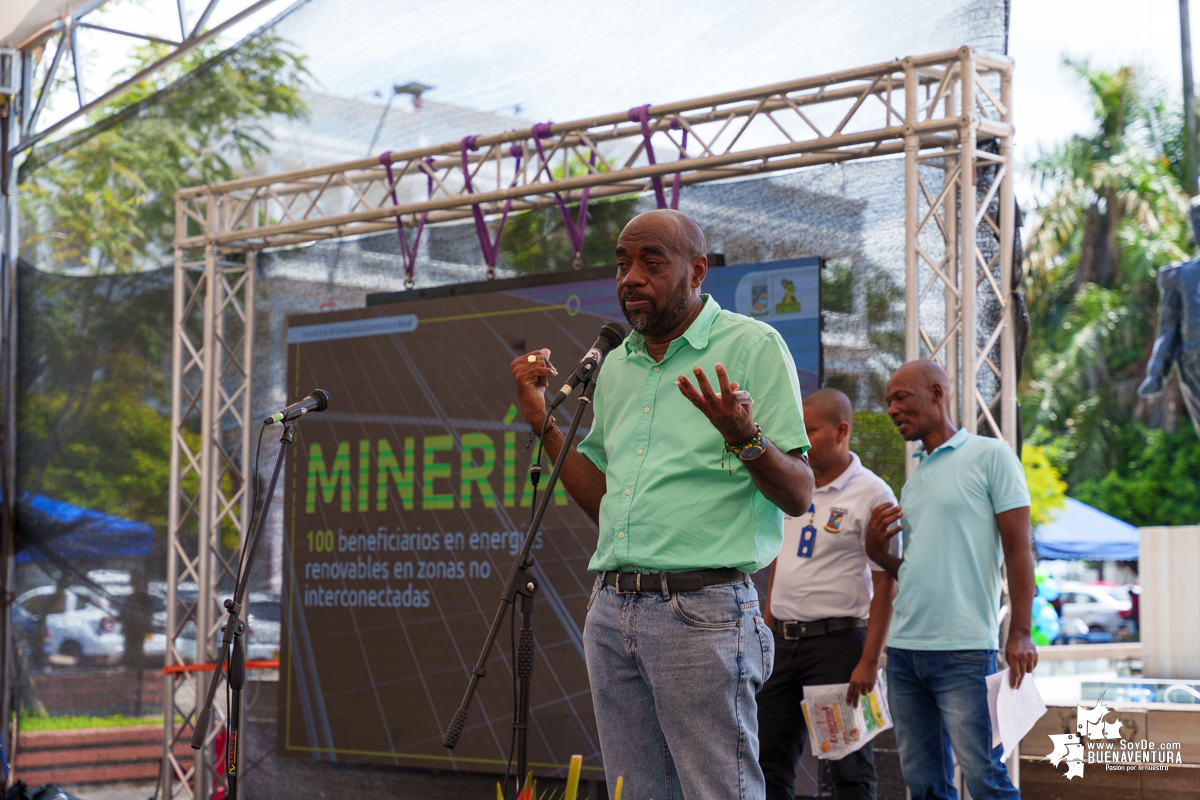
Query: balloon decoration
x=1049, y=589
x=1046, y=625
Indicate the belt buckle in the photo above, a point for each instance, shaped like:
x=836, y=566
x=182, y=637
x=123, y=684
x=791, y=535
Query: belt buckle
x=637, y=586
x=794, y=630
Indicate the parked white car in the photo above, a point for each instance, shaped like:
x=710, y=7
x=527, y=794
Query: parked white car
x=79, y=623
x=262, y=631
x=1100, y=607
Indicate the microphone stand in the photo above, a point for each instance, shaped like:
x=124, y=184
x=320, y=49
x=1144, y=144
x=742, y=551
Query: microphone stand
x=521, y=583
x=232, y=641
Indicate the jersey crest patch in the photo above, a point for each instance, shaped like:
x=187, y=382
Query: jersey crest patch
x=836, y=515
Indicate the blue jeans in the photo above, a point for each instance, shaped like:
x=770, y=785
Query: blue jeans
x=673, y=684
x=938, y=699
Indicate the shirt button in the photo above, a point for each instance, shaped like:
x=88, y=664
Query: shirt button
x=656, y=369
x=639, y=452
x=628, y=491
x=621, y=535
x=647, y=409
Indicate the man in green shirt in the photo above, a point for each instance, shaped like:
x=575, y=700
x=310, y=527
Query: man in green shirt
x=689, y=488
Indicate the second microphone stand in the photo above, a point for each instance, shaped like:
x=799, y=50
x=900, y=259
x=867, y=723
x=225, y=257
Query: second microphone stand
x=232, y=642
x=521, y=583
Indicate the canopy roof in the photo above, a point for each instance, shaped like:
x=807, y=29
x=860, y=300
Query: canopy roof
x=21, y=19
x=72, y=532
x=1080, y=532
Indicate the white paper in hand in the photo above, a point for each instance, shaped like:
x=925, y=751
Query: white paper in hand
x=1014, y=712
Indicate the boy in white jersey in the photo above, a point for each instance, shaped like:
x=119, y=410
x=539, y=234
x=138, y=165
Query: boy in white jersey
x=828, y=604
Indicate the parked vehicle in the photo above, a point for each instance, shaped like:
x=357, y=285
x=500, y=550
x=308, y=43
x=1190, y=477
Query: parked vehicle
x=1106, y=608
x=262, y=631
x=79, y=623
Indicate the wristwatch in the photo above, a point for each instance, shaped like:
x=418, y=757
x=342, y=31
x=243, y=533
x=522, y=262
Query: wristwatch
x=748, y=451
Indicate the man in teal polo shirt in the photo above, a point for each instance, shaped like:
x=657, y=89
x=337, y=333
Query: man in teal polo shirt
x=689, y=489
x=963, y=512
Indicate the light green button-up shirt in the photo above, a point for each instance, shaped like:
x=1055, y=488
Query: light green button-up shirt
x=669, y=505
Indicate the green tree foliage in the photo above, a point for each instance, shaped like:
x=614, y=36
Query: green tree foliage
x=1116, y=215
x=537, y=241
x=879, y=446
x=1047, y=489
x=1154, y=483
x=882, y=301
x=95, y=347
x=106, y=202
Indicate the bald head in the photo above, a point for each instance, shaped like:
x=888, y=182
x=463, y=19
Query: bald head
x=680, y=232
x=828, y=418
x=918, y=397
x=830, y=405
x=922, y=373
x=661, y=265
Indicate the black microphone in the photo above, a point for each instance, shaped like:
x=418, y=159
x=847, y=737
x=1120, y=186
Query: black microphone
x=318, y=400
x=610, y=336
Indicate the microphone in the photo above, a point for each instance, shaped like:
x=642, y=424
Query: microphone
x=317, y=400
x=610, y=336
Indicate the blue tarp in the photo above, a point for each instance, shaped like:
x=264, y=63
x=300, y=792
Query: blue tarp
x=73, y=532
x=1080, y=532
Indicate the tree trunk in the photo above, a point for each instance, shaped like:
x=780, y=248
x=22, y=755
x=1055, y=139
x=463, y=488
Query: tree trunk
x=1085, y=272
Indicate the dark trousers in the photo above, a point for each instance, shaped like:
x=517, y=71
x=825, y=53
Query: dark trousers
x=782, y=733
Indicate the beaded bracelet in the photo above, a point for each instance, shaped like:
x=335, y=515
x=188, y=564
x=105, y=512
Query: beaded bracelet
x=737, y=449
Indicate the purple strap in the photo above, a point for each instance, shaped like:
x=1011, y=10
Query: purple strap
x=677, y=184
x=642, y=114
x=407, y=254
x=489, y=247
x=575, y=227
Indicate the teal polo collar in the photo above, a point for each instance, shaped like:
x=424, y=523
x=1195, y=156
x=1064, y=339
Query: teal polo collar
x=953, y=443
x=696, y=334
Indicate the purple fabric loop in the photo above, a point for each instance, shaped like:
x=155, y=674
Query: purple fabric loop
x=489, y=247
x=575, y=226
x=677, y=183
x=642, y=114
x=407, y=254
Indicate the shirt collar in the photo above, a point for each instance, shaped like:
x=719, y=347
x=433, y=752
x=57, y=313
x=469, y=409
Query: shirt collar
x=952, y=443
x=839, y=483
x=696, y=334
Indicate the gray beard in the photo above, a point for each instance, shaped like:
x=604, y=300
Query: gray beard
x=654, y=324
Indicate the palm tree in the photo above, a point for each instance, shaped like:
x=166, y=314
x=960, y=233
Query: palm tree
x=1117, y=214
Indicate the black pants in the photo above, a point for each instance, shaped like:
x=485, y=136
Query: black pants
x=782, y=733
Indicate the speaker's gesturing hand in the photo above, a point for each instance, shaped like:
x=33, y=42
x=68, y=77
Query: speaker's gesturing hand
x=732, y=419
x=531, y=372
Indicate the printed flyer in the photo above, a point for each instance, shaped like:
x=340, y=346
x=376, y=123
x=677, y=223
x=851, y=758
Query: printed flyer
x=835, y=729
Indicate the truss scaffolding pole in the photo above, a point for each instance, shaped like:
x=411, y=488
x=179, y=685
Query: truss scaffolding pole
x=1009, y=410
x=968, y=242
x=912, y=317
x=950, y=259
x=171, y=734
x=209, y=473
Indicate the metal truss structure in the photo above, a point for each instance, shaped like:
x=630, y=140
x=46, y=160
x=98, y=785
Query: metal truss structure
x=936, y=110
x=211, y=378
x=63, y=35
x=24, y=96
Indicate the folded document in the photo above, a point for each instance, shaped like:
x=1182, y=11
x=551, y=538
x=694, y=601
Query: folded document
x=1014, y=712
x=835, y=729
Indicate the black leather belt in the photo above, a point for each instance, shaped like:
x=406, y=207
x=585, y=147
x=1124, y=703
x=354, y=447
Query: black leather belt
x=818, y=627
x=694, y=581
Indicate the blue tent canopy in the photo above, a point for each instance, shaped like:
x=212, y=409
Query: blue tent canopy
x=1080, y=532
x=72, y=532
